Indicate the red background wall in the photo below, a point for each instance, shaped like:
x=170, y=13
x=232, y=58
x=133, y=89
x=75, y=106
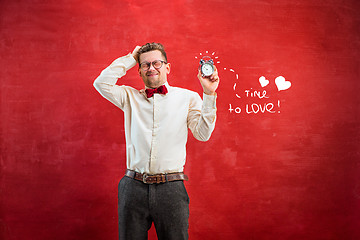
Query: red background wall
x=291, y=174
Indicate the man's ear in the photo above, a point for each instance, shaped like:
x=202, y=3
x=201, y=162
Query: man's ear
x=168, y=67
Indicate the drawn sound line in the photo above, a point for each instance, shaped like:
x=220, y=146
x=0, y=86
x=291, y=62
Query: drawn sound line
x=206, y=54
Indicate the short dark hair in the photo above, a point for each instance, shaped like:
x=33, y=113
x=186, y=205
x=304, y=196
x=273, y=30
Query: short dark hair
x=151, y=47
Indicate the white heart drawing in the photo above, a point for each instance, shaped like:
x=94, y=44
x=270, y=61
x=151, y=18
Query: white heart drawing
x=281, y=83
x=263, y=81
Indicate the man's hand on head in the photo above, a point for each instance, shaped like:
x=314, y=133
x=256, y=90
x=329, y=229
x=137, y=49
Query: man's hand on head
x=135, y=52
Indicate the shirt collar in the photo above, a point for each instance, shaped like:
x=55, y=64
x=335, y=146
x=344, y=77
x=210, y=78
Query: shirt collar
x=166, y=84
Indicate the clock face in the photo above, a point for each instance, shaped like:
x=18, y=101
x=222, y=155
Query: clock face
x=207, y=69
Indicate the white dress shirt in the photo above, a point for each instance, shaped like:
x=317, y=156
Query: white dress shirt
x=156, y=128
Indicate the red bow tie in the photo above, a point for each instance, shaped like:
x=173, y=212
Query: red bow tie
x=150, y=91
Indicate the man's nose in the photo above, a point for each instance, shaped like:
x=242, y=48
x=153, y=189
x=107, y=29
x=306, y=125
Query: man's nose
x=151, y=66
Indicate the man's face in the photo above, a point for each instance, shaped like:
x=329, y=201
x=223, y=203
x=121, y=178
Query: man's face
x=153, y=77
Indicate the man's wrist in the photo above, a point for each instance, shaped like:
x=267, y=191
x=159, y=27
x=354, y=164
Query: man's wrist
x=210, y=93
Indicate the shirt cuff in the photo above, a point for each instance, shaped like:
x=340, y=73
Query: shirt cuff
x=209, y=101
x=127, y=61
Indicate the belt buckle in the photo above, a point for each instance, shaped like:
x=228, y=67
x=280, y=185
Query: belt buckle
x=144, y=178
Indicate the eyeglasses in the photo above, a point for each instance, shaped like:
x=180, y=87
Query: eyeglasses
x=156, y=64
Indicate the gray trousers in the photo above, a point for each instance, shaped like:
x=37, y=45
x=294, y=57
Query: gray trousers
x=165, y=204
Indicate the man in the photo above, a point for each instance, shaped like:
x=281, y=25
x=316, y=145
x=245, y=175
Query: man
x=156, y=128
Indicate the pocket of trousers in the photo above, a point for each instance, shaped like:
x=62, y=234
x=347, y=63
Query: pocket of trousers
x=185, y=191
x=122, y=185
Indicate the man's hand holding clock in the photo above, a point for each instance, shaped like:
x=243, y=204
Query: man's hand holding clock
x=208, y=76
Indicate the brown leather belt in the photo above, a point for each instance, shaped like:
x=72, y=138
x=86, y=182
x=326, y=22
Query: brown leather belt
x=157, y=178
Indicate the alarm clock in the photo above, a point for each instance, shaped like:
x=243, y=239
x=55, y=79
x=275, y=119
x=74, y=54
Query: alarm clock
x=207, y=66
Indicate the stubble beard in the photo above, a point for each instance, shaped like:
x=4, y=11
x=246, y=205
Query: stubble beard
x=153, y=81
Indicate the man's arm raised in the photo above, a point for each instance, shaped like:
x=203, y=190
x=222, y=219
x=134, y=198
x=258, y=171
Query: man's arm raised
x=105, y=83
